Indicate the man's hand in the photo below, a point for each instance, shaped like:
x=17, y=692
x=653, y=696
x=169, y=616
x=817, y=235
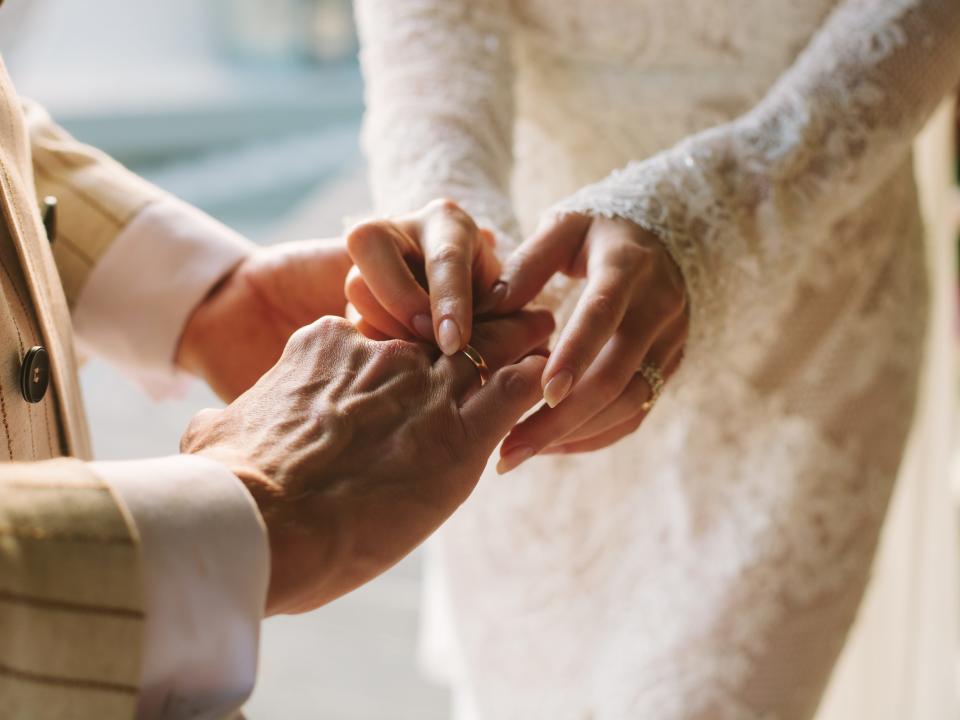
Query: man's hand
x=356, y=450
x=239, y=330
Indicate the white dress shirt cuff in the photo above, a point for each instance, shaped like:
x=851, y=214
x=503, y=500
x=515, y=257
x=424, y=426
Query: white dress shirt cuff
x=206, y=566
x=141, y=292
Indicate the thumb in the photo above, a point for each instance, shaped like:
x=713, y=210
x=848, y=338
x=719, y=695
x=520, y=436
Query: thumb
x=553, y=247
x=496, y=407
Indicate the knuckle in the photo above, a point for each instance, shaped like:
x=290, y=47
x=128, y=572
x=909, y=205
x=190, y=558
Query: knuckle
x=522, y=257
x=300, y=338
x=628, y=257
x=669, y=302
x=679, y=298
x=516, y=383
x=450, y=206
x=673, y=280
x=366, y=234
x=323, y=330
x=402, y=351
x=330, y=325
x=442, y=203
x=608, y=389
x=192, y=439
x=450, y=210
x=603, y=305
x=448, y=253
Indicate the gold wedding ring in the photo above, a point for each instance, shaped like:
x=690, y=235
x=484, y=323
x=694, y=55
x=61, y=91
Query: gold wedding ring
x=478, y=362
x=654, y=379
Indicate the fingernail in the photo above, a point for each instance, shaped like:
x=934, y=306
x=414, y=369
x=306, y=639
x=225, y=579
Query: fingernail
x=496, y=295
x=513, y=457
x=448, y=336
x=423, y=325
x=557, y=388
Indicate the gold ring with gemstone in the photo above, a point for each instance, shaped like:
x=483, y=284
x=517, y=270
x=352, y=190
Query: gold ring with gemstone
x=654, y=378
x=478, y=362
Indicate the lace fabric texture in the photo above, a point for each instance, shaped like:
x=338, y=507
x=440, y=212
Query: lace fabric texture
x=710, y=565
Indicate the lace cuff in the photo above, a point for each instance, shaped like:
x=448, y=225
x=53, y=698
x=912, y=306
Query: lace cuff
x=737, y=205
x=656, y=194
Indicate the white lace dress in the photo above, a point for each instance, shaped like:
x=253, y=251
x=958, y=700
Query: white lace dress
x=710, y=565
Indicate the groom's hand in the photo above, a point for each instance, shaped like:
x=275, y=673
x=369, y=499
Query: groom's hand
x=356, y=450
x=239, y=330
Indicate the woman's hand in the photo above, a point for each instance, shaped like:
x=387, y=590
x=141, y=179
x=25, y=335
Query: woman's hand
x=630, y=317
x=416, y=276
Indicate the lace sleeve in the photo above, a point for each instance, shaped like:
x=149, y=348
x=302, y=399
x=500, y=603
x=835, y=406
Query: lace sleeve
x=737, y=205
x=439, y=106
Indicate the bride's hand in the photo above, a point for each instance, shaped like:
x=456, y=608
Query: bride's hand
x=631, y=316
x=439, y=247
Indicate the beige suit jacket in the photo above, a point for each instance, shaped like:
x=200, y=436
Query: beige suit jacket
x=71, y=607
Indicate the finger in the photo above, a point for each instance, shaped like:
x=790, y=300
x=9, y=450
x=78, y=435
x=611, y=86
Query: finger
x=365, y=328
x=664, y=355
x=597, y=315
x=625, y=407
x=605, y=439
x=611, y=376
x=373, y=313
x=486, y=270
x=496, y=407
x=526, y=271
x=378, y=250
x=450, y=239
x=616, y=268
x=488, y=237
x=601, y=386
x=500, y=342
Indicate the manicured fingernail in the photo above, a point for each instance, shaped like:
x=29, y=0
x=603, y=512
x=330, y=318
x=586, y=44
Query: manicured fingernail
x=496, y=295
x=423, y=325
x=513, y=457
x=448, y=336
x=557, y=388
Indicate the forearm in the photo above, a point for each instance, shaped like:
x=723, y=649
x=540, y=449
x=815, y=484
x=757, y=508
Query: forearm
x=737, y=205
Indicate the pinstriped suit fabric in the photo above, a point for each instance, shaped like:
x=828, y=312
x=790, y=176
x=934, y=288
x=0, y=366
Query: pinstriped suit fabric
x=71, y=610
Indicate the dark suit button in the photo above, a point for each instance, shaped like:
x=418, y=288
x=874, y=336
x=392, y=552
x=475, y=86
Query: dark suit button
x=49, y=211
x=35, y=374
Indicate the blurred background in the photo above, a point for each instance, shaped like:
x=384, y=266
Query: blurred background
x=249, y=109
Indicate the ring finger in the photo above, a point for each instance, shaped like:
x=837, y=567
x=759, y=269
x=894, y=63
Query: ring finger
x=499, y=342
x=666, y=358
x=601, y=385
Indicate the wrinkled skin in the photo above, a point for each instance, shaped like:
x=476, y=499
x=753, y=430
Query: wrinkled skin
x=355, y=450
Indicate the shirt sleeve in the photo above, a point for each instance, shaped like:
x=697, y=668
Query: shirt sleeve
x=139, y=295
x=205, y=570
